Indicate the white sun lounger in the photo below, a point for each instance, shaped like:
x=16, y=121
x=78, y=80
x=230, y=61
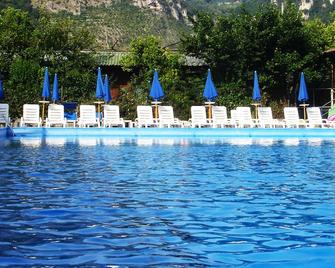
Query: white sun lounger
x=166, y=117
x=292, y=119
x=265, y=118
x=87, y=116
x=244, y=118
x=145, y=117
x=4, y=114
x=31, y=115
x=198, y=117
x=112, y=116
x=220, y=118
x=55, y=115
x=314, y=118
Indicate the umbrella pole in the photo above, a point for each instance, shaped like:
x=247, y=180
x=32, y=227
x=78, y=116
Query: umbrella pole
x=304, y=111
x=209, y=112
x=156, y=111
x=43, y=113
x=209, y=105
x=304, y=106
x=98, y=114
x=256, y=104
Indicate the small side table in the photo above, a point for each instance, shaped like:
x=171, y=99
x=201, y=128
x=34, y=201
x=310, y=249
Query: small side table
x=256, y=104
x=129, y=123
x=304, y=106
x=43, y=102
x=99, y=103
x=155, y=104
x=71, y=122
x=209, y=104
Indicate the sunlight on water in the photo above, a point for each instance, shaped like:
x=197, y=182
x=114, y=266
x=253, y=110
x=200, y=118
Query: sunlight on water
x=167, y=202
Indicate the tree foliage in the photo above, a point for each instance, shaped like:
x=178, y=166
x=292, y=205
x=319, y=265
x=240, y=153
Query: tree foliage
x=29, y=44
x=278, y=45
x=146, y=55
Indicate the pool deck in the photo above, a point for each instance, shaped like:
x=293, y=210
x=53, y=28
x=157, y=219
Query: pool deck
x=327, y=133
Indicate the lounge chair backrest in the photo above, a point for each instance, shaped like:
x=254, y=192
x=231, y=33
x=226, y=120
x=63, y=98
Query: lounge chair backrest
x=166, y=114
x=4, y=111
x=31, y=113
x=314, y=115
x=144, y=114
x=56, y=113
x=265, y=115
x=219, y=114
x=198, y=114
x=112, y=113
x=244, y=114
x=291, y=115
x=87, y=113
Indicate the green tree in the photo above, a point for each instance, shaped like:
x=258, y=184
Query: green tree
x=146, y=55
x=30, y=44
x=278, y=45
x=330, y=32
x=15, y=37
x=60, y=46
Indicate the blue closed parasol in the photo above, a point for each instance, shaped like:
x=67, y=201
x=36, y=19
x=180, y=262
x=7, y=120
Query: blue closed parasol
x=99, y=90
x=107, y=94
x=156, y=91
x=210, y=92
x=256, y=93
x=55, y=94
x=46, y=85
x=303, y=95
x=2, y=95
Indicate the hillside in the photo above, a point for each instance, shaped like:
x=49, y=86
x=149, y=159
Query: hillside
x=116, y=25
x=116, y=22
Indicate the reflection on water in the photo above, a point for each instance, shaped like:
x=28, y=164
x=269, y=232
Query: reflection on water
x=55, y=141
x=31, y=142
x=167, y=202
x=112, y=142
x=92, y=141
x=291, y=142
x=88, y=141
x=314, y=141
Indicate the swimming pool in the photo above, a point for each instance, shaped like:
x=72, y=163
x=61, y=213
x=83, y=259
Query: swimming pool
x=164, y=202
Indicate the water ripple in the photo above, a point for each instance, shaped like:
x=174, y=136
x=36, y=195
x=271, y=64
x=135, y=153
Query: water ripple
x=100, y=202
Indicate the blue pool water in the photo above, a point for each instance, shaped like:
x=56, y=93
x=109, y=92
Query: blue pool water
x=167, y=202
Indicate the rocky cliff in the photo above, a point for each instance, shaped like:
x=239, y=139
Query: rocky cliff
x=174, y=8
x=177, y=9
x=116, y=22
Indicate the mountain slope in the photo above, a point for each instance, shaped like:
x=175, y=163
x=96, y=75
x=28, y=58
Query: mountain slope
x=116, y=22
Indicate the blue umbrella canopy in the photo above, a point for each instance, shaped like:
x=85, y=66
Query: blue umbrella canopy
x=46, y=85
x=2, y=95
x=99, y=90
x=107, y=95
x=303, y=95
x=156, y=91
x=55, y=95
x=256, y=93
x=209, y=92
